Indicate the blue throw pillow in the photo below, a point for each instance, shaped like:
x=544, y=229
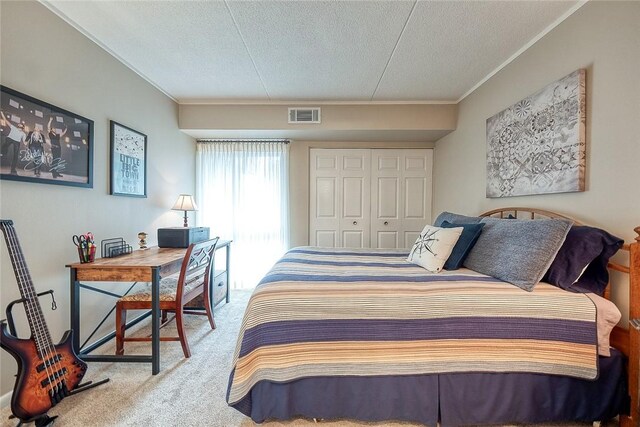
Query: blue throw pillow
x=466, y=241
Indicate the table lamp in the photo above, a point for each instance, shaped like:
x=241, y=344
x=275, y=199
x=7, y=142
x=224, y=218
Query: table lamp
x=185, y=203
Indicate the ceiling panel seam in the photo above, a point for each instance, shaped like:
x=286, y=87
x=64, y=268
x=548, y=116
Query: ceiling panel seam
x=255, y=67
x=394, y=49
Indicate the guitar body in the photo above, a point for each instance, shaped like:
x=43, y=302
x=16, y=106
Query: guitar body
x=34, y=394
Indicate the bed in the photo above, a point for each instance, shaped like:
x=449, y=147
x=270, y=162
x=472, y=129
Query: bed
x=363, y=334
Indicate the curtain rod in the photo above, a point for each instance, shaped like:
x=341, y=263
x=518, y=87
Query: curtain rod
x=286, y=141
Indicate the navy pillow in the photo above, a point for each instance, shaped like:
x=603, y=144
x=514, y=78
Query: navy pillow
x=468, y=238
x=584, y=247
x=454, y=218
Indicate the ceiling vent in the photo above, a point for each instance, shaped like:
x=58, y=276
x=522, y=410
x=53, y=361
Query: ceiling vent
x=304, y=115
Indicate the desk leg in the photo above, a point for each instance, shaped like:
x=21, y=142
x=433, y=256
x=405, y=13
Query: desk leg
x=75, y=310
x=155, y=321
x=228, y=266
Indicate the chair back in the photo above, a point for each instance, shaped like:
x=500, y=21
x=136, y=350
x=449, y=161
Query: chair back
x=196, y=267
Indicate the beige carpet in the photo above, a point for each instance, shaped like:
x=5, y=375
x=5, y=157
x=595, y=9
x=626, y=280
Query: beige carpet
x=187, y=392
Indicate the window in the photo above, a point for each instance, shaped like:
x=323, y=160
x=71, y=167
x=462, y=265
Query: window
x=242, y=189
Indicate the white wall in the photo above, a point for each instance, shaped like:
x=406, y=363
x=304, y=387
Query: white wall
x=49, y=60
x=604, y=38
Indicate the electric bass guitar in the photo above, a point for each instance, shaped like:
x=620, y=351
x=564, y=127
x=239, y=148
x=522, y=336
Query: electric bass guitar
x=47, y=372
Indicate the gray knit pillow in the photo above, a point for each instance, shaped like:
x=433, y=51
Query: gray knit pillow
x=517, y=251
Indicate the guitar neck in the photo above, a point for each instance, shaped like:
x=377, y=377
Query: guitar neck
x=35, y=317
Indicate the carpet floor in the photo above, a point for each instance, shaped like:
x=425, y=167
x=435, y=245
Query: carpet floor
x=187, y=392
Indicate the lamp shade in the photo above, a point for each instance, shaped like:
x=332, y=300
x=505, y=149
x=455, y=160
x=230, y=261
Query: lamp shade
x=185, y=202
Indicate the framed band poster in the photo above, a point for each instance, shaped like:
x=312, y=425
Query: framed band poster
x=128, y=161
x=42, y=143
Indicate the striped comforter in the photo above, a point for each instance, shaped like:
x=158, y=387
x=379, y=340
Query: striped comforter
x=345, y=312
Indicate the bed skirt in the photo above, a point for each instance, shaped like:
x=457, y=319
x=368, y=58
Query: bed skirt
x=452, y=399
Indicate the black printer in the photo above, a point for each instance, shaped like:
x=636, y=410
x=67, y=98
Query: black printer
x=181, y=237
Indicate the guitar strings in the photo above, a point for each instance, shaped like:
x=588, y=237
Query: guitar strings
x=43, y=341
x=57, y=363
x=22, y=274
x=45, y=337
x=57, y=359
x=10, y=238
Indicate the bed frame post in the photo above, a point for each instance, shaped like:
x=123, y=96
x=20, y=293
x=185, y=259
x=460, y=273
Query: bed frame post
x=634, y=334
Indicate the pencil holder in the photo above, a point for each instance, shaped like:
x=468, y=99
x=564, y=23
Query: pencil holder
x=87, y=254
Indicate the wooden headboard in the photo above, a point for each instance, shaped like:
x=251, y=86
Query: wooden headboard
x=625, y=340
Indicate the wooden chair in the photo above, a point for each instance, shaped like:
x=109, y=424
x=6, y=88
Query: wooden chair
x=175, y=292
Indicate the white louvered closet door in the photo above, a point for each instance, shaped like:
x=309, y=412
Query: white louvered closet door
x=340, y=213
x=401, y=193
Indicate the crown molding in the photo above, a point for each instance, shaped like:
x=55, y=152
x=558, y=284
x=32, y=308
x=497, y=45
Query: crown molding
x=217, y=101
x=524, y=48
x=104, y=47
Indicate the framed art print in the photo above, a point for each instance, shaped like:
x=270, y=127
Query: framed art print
x=42, y=143
x=537, y=145
x=128, y=161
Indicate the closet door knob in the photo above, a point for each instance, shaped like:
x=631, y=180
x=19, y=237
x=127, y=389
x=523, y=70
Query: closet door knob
x=355, y=222
x=386, y=223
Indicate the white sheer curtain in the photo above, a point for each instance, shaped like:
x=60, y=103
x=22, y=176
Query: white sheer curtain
x=242, y=191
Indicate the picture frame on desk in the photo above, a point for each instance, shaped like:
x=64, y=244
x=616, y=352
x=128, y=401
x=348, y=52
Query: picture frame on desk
x=128, y=162
x=43, y=143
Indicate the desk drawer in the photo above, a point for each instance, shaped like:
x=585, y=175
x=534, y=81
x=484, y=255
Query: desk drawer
x=219, y=287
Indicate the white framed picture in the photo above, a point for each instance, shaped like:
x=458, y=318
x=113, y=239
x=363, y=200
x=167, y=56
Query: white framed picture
x=128, y=161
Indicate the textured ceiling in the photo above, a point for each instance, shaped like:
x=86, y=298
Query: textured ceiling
x=313, y=50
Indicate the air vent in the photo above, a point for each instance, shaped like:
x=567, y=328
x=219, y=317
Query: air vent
x=304, y=115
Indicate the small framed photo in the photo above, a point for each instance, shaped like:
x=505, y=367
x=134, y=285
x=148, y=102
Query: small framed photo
x=128, y=161
x=42, y=143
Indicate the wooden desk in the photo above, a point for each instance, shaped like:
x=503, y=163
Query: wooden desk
x=148, y=265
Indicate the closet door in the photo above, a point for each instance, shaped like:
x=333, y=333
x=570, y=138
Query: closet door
x=401, y=192
x=340, y=198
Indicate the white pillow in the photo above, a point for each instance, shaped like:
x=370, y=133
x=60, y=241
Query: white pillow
x=433, y=247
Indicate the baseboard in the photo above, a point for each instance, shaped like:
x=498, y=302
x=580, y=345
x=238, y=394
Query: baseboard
x=5, y=399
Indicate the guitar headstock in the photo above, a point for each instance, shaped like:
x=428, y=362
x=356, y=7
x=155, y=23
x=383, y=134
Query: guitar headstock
x=6, y=225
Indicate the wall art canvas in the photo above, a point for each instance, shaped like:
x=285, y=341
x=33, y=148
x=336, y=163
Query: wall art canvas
x=537, y=146
x=42, y=143
x=128, y=161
